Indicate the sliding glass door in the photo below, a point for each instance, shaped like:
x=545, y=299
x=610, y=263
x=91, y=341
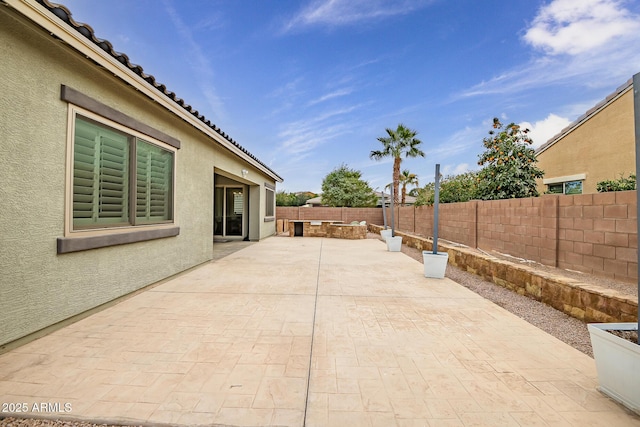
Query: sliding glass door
x=228, y=211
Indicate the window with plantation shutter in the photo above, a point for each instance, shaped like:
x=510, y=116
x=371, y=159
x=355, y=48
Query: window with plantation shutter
x=100, y=179
x=110, y=189
x=269, y=202
x=154, y=178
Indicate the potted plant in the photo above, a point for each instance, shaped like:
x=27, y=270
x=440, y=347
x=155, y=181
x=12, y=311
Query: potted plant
x=617, y=361
x=435, y=263
x=615, y=350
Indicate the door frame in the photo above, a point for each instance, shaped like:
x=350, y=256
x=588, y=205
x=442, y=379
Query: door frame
x=224, y=210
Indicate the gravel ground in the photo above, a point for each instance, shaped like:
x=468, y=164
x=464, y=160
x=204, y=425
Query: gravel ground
x=567, y=329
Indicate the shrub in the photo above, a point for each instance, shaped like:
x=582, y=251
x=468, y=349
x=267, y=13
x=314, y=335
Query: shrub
x=621, y=184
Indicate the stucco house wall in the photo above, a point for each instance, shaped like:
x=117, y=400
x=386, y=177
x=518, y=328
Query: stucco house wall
x=599, y=146
x=39, y=286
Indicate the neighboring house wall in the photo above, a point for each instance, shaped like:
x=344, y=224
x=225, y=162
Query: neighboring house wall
x=39, y=286
x=599, y=147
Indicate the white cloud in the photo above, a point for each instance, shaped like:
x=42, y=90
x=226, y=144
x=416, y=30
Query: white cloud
x=199, y=62
x=448, y=170
x=335, y=94
x=543, y=130
x=333, y=13
x=463, y=141
x=576, y=26
x=300, y=138
x=288, y=89
x=581, y=43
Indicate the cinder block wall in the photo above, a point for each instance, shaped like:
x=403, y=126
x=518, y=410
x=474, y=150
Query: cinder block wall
x=592, y=233
x=458, y=221
x=597, y=234
x=526, y=228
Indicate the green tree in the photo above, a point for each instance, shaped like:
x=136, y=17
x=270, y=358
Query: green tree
x=425, y=195
x=344, y=187
x=407, y=178
x=398, y=142
x=414, y=192
x=459, y=188
x=284, y=199
x=293, y=199
x=509, y=162
x=622, y=184
x=453, y=188
x=303, y=196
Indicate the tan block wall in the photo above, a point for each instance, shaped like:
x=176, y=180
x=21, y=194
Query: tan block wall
x=458, y=221
x=597, y=234
x=524, y=228
x=603, y=147
x=424, y=222
x=592, y=233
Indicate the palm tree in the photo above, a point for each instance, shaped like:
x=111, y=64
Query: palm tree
x=407, y=178
x=398, y=142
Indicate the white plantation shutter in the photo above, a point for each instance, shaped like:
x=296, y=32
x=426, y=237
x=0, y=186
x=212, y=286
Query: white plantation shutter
x=100, y=178
x=154, y=180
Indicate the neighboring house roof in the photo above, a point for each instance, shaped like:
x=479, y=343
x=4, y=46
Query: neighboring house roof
x=586, y=116
x=408, y=200
x=315, y=201
x=105, y=46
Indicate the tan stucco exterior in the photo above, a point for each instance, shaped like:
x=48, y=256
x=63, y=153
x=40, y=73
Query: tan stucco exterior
x=38, y=286
x=599, y=147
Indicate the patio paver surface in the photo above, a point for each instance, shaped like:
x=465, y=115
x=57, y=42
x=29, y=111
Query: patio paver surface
x=309, y=331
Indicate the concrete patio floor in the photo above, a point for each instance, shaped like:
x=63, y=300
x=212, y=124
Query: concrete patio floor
x=309, y=331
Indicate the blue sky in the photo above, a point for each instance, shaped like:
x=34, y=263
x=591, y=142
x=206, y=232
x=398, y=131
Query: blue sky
x=309, y=85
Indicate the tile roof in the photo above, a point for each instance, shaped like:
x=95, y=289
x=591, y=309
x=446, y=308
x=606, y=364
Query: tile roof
x=583, y=118
x=65, y=15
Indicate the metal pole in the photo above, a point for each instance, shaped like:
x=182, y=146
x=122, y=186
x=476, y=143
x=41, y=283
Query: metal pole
x=393, y=222
x=384, y=210
x=636, y=109
x=436, y=204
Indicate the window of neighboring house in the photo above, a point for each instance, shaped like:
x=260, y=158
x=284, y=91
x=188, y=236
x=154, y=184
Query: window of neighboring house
x=270, y=202
x=119, y=178
x=569, y=187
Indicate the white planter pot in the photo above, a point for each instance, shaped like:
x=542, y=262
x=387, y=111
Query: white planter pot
x=385, y=233
x=617, y=363
x=394, y=244
x=435, y=265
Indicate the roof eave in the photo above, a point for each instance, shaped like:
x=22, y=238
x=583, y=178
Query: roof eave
x=621, y=90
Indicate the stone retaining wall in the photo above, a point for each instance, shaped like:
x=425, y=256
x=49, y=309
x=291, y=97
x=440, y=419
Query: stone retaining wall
x=327, y=229
x=586, y=302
